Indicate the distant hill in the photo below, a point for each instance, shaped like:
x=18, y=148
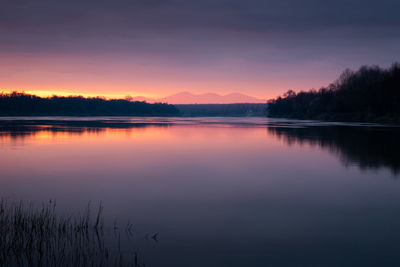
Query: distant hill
x=209, y=98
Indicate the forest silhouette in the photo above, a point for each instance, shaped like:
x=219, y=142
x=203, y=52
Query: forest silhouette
x=22, y=104
x=368, y=94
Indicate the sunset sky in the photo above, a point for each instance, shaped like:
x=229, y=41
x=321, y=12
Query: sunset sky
x=155, y=48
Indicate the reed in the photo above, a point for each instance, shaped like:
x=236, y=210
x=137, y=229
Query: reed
x=38, y=236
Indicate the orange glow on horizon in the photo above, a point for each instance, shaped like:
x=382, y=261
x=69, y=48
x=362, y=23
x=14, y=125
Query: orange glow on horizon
x=117, y=77
x=50, y=93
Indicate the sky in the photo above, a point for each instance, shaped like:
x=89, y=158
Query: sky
x=155, y=48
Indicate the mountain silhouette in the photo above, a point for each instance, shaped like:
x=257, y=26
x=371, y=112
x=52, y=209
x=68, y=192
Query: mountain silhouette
x=208, y=98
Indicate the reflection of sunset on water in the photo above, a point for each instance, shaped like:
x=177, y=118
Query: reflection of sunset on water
x=239, y=179
x=199, y=139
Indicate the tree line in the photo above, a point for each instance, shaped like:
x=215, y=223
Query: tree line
x=369, y=94
x=223, y=110
x=22, y=104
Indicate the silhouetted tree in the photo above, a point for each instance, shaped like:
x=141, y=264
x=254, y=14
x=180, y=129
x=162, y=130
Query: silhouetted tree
x=21, y=104
x=369, y=94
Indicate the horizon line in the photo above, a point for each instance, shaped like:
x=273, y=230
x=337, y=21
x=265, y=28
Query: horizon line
x=133, y=99
x=108, y=96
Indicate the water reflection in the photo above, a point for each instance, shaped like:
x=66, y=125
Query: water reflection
x=219, y=191
x=367, y=146
x=24, y=128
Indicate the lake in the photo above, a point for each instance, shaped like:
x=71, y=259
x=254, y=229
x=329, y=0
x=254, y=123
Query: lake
x=218, y=191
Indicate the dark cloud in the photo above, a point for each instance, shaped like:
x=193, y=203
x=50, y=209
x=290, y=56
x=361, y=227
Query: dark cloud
x=127, y=17
x=191, y=32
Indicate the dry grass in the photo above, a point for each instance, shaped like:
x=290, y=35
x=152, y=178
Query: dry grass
x=31, y=236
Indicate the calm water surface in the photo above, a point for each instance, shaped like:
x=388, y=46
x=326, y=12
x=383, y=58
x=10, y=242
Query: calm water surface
x=219, y=191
